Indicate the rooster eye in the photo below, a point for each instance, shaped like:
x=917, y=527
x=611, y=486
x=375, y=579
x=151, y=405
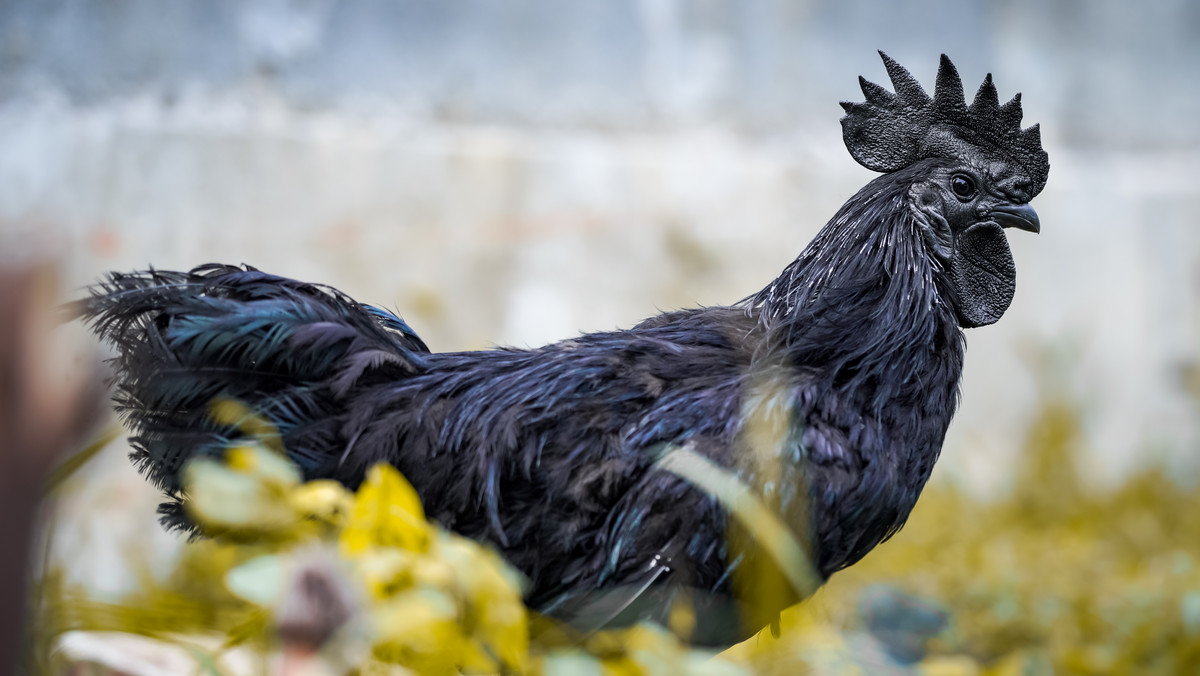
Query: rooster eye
x=963, y=186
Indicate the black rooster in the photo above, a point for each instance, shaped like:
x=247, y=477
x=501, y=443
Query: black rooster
x=550, y=454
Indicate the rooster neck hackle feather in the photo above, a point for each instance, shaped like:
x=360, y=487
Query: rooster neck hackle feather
x=865, y=301
x=865, y=315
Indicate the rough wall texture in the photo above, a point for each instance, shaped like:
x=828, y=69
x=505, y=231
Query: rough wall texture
x=518, y=172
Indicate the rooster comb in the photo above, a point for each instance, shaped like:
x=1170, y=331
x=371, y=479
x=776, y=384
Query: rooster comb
x=890, y=131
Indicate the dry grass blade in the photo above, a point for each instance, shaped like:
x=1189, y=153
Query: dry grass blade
x=764, y=525
x=67, y=468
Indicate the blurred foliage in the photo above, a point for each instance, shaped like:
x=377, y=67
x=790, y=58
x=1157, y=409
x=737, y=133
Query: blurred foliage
x=1054, y=578
x=348, y=581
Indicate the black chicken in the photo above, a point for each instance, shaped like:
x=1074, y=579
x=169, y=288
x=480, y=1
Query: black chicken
x=550, y=454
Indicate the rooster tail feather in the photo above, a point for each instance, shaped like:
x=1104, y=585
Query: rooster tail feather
x=294, y=353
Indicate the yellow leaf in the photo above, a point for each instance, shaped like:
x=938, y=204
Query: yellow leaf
x=649, y=649
x=492, y=593
x=259, y=580
x=949, y=665
x=386, y=571
x=222, y=499
x=569, y=662
x=419, y=630
x=386, y=513
x=323, y=499
x=432, y=571
x=263, y=463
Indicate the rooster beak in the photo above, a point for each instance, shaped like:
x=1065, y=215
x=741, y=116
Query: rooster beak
x=1020, y=216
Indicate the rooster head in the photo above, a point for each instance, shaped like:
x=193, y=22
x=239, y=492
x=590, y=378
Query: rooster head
x=974, y=171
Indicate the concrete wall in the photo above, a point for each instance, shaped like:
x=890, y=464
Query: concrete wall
x=519, y=172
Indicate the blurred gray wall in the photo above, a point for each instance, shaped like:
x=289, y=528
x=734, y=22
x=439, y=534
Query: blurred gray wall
x=518, y=172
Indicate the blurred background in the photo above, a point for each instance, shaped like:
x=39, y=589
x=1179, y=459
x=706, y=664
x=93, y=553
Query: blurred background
x=518, y=173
